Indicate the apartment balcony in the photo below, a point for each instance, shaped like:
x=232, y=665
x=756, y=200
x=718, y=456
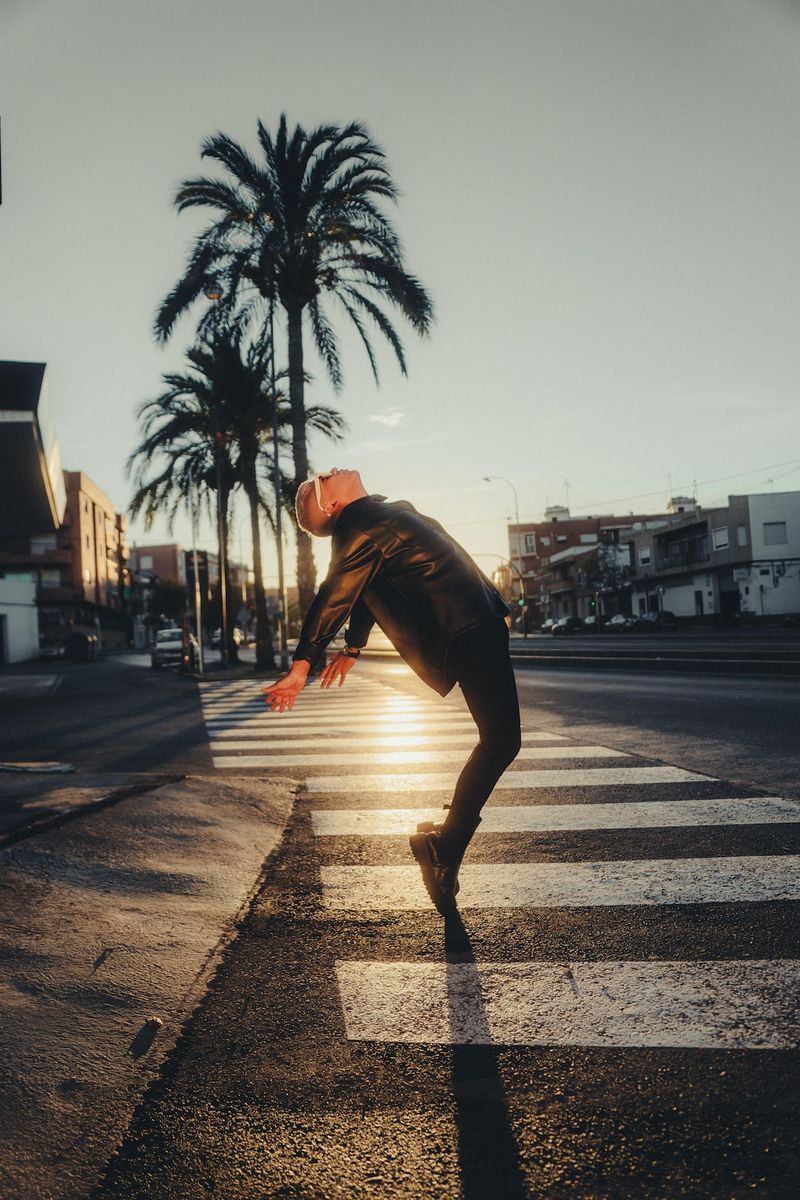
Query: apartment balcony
x=681, y=561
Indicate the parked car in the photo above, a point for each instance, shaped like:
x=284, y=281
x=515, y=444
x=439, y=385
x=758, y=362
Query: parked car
x=51, y=649
x=656, y=622
x=167, y=651
x=592, y=623
x=567, y=626
x=547, y=625
x=620, y=624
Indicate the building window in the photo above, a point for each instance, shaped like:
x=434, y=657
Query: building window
x=719, y=538
x=50, y=577
x=530, y=543
x=588, y=539
x=88, y=543
x=146, y=562
x=561, y=537
x=545, y=541
x=741, y=535
x=775, y=533
x=644, y=556
x=45, y=541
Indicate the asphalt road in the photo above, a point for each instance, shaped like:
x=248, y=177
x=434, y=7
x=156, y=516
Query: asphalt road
x=613, y=1015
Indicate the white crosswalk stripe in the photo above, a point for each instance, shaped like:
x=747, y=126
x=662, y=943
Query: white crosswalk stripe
x=387, y=758
x=275, y=739
x=574, y=885
x=559, y=777
x=544, y=818
x=744, y=1005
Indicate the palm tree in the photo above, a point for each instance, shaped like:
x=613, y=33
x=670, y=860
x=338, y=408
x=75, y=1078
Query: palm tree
x=219, y=415
x=301, y=227
x=184, y=430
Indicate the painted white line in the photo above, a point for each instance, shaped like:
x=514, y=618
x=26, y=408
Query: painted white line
x=273, y=739
x=394, y=758
x=573, y=885
x=280, y=722
x=321, y=707
x=730, y=1005
x=559, y=777
x=544, y=818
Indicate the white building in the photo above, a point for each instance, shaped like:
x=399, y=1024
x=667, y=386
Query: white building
x=19, y=620
x=741, y=559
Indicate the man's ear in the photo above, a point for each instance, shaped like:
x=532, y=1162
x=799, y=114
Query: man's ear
x=333, y=507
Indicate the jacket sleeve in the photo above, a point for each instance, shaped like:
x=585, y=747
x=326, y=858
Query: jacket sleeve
x=352, y=569
x=360, y=627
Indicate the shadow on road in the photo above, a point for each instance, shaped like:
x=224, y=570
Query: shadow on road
x=488, y=1154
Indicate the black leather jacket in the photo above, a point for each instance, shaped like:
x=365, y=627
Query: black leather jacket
x=393, y=566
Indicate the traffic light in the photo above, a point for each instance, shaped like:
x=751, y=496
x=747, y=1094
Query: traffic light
x=520, y=603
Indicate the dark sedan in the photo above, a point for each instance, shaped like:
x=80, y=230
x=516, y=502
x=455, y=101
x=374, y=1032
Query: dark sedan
x=567, y=626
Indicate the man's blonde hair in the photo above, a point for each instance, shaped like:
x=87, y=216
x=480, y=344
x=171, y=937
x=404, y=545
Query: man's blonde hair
x=309, y=516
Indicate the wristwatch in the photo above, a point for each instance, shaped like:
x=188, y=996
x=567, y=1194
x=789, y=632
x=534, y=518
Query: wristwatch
x=351, y=651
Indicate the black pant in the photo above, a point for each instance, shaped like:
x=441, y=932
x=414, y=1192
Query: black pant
x=482, y=667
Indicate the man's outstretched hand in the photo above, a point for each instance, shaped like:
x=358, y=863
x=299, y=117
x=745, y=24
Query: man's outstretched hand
x=337, y=668
x=281, y=695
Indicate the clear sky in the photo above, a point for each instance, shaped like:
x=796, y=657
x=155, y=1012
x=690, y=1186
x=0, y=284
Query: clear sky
x=603, y=197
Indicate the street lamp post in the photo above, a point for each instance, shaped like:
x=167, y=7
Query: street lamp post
x=502, y=479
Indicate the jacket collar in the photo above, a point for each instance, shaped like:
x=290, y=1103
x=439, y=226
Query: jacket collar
x=352, y=508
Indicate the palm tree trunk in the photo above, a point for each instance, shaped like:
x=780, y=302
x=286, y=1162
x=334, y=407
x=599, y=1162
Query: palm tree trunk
x=265, y=654
x=306, y=570
x=223, y=500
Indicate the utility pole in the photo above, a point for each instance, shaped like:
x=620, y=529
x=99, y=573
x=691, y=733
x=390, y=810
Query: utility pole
x=502, y=479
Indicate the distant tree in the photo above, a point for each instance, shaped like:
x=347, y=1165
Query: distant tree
x=220, y=412
x=299, y=226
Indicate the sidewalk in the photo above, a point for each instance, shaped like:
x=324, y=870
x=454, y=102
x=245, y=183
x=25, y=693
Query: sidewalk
x=113, y=925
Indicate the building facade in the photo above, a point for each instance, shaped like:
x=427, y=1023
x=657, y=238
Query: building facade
x=566, y=561
x=79, y=570
x=19, y=622
x=740, y=560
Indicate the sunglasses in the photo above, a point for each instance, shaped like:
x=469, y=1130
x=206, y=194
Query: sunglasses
x=317, y=481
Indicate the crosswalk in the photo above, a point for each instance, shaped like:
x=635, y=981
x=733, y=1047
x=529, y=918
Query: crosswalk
x=375, y=761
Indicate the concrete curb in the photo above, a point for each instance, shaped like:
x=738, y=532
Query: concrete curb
x=113, y=927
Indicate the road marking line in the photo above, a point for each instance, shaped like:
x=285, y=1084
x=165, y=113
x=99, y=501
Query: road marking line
x=573, y=885
x=325, y=708
x=558, y=777
x=386, y=758
x=389, y=725
x=552, y=818
x=274, y=739
x=730, y=1005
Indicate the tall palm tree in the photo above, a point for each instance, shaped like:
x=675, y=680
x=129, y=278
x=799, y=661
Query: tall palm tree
x=301, y=226
x=214, y=423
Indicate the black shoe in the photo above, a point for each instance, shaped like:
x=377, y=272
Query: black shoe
x=439, y=874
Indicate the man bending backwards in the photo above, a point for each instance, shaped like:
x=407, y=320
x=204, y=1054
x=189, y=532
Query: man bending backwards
x=392, y=566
